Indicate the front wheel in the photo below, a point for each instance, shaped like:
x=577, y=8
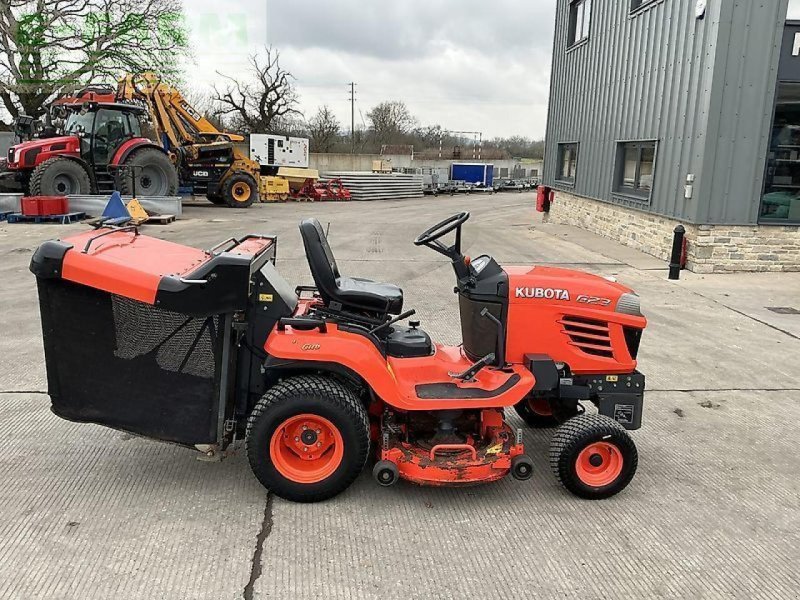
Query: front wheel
x=239, y=190
x=215, y=199
x=593, y=456
x=60, y=176
x=540, y=412
x=307, y=438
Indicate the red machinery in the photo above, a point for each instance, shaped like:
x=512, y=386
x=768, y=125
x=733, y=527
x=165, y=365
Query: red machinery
x=101, y=140
x=332, y=189
x=203, y=347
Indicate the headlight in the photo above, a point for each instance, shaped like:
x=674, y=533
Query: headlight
x=629, y=305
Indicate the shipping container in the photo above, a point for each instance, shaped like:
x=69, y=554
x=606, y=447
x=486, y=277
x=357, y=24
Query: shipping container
x=472, y=173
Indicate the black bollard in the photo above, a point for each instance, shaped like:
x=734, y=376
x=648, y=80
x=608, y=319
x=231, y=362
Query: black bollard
x=677, y=252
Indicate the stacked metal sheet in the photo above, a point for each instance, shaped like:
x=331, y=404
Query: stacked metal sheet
x=10, y=202
x=94, y=205
x=378, y=186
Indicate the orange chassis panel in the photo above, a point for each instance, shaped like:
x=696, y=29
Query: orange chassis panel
x=394, y=379
x=131, y=265
x=537, y=325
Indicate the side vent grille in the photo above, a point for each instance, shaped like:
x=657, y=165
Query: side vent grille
x=590, y=336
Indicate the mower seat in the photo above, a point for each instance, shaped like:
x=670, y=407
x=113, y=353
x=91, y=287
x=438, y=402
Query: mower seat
x=350, y=292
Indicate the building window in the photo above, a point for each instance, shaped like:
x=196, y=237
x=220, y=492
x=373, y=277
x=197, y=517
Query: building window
x=580, y=16
x=637, y=4
x=567, y=162
x=635, y=168
x=781, y=200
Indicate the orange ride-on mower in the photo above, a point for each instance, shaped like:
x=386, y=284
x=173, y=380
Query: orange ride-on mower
x=203, y=347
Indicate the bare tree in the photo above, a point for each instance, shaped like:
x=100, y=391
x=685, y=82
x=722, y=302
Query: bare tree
x=255, y=105
x=205, y=103
x=389, y=121
x=51, y=47
x=324, y=129
x=289, y=125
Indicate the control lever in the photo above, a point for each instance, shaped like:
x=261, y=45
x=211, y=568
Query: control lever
x=470, y=373
x=500, y=350
x=405, y=315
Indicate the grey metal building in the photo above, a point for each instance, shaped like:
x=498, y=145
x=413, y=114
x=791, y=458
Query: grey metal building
x=666, y=111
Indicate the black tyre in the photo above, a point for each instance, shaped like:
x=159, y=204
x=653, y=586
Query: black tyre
x=239, y=190
x=307, y=438
x=385, y=473
x=150, y=173
x=593, y=456
x=521, y=467
x=60, y=177
x=540, y=412
x=215, y=198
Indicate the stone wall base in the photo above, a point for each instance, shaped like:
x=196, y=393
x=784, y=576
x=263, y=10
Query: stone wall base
x=710, y=249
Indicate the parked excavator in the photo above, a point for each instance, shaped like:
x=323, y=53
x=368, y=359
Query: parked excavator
x=207, y=159
x=143, y=137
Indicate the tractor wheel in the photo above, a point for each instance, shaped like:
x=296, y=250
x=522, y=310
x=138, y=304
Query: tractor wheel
x=151, y=171
x=593, y=456
x=60, y=177
x=307, y=438
x=239, y=190
x=537, y=412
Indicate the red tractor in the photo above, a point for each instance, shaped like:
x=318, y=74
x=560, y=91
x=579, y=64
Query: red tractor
x=103, y=145
x=204, y=347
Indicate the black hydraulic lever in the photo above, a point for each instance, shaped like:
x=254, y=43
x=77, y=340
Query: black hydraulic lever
x=405, y=315
x=470, y=373
x=501, y=337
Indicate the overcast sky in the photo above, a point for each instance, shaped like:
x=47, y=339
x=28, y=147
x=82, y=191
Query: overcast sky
x=469, y=65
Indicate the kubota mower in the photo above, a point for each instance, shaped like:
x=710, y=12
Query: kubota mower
x=204, y=347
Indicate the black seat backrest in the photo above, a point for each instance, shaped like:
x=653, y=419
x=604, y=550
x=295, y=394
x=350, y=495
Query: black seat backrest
x=320, y=259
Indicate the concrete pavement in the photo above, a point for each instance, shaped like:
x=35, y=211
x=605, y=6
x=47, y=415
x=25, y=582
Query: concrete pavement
x=714, y=510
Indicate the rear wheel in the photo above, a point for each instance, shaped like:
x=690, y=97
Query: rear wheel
x=593, y=456
x=239, y=190
x=215, y=199
x=307, y=438
x=60, y=177
x=150, y=172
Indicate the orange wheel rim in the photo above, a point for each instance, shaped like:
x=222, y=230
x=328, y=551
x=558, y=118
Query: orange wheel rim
x=599, y=464
x=241, y=192
x=306, y=448
x=540, y=406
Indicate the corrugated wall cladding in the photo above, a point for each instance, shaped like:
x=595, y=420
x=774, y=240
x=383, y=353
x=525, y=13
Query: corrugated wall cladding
x=652, y=75
x=741, y=109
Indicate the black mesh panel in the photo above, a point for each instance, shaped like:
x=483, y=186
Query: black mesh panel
x=130, y=365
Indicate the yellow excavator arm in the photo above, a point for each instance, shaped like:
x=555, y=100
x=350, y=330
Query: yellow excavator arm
x=172, y=114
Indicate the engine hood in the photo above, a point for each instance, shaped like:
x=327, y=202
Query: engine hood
x=566, y=286
x=31, y=153
x=45, y=142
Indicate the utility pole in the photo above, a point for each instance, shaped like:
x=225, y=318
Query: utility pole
x=353, y=116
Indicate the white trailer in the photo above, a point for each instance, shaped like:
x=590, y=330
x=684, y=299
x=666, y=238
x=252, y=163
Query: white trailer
x=278, y=150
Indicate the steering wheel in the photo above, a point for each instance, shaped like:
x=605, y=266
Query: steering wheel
x=441, y=229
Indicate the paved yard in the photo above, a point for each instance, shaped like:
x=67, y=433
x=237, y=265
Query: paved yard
x=714, y=511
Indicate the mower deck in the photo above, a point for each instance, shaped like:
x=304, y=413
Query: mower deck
x=467, y=463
